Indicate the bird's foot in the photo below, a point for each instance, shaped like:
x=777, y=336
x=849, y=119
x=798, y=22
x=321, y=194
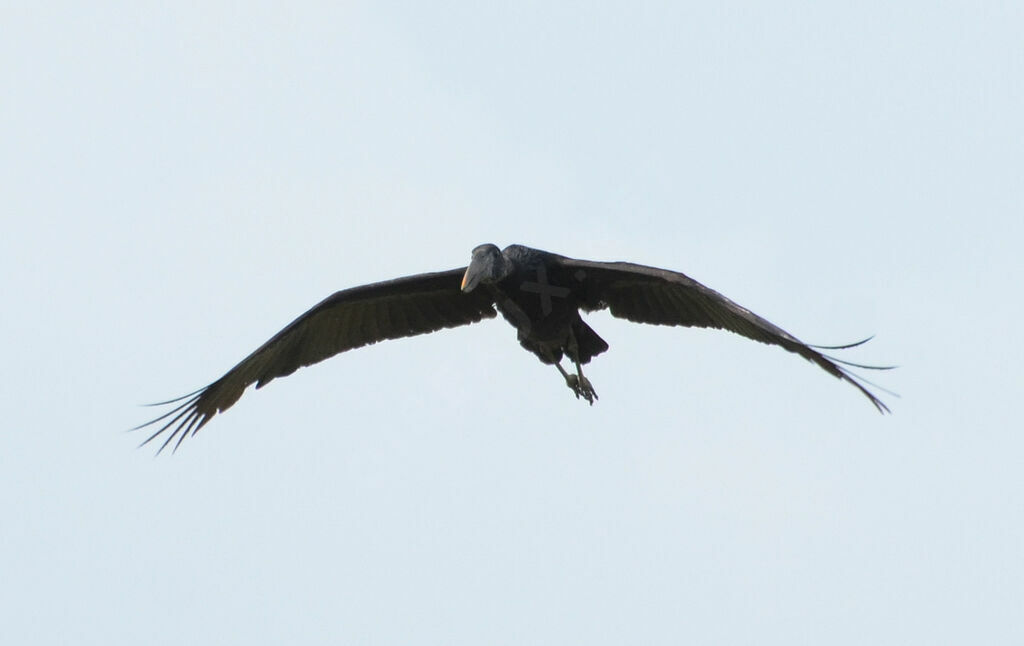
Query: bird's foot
x=581, y=387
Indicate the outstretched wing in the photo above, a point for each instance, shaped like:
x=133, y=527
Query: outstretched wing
x=661, y=297
x=345, y=320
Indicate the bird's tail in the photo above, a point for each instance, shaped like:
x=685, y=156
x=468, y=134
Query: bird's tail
x=589, y=343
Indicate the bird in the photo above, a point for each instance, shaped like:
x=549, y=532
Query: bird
x=540, y=293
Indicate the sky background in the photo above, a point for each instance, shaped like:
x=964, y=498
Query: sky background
x=178, y=181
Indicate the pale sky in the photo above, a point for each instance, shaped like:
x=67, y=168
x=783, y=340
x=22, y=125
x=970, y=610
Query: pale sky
x=180, y=181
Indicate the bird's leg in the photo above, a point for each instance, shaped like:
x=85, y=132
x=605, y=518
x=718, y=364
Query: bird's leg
x=580, y=384
x=583, y=385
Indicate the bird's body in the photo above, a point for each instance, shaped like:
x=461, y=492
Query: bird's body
x=540, y=293
x=542, y=298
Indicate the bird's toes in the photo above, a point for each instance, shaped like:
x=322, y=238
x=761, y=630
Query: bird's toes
x=588, y=390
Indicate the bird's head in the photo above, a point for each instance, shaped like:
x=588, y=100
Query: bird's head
x=488, y=265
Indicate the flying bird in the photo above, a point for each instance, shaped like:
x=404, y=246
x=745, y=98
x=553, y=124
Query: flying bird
x=540, y=293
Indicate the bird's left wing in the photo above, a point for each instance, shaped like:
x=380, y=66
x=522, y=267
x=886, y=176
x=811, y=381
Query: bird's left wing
x=345, y=320
x=658, y=296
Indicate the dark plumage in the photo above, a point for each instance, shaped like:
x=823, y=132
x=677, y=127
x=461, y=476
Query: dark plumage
x=539, y=293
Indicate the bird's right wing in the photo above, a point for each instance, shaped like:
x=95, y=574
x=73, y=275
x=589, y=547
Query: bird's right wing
x=345, y=320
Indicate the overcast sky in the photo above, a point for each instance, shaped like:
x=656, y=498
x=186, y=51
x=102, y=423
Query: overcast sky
x=177, y=182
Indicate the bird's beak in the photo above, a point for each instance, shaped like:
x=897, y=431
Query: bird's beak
x=465, y=280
